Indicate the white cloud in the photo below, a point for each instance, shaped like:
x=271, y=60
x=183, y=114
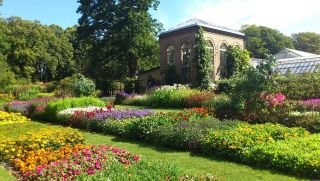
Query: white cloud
x=285, y=15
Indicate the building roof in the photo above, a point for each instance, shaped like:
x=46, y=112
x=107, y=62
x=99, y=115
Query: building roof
x=201, y=23
x=290, y=53
x=299, y=65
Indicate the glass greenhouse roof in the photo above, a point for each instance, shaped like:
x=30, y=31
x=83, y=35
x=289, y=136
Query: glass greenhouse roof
x=299, y=65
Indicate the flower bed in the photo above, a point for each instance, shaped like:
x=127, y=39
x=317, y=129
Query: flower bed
x=52, y=154
x=299, y=156
x=309, y=105
x=23, y=106
x=56, y=138
x=8, y=118
x=234, y=143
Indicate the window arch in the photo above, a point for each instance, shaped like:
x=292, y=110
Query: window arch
x=170, y=55
x=186, y=61
x=223, y=59
x=210, y=46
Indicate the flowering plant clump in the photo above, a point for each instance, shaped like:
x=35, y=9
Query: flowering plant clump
x=187, y=114
x=7, y=118
x=235, y=142
x=23, y=106
x=87, y=161
x=7, y=97
x=273, y=100
x=29, y=160
x=71, y=111
x=54, y=137
x=310, y=104
x=102, y=114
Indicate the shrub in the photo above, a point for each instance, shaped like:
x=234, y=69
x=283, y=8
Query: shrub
x=309, y=105
x=122, y=96
x=221, y=106
x=234, y=143
x=309, y=121
x=143, y=100
x=299, y=156
x=84, y=86
x=77, y=85
x=171, y=96
x=299, y=86
x=54, y=107
x=27, y=107
x=224, y=86
x=198, y=99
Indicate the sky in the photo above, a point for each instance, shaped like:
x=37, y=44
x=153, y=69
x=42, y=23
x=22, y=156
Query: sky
x=288, y=16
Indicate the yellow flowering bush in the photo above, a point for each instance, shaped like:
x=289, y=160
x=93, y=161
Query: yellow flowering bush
x=53, y=137
x=7, y=118
x=7, y=97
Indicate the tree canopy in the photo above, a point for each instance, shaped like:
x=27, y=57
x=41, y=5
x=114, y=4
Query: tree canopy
x=307, y=41
x=34, y=51
x=122, y=35
x=262, y=40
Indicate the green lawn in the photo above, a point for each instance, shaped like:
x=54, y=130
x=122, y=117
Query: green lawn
x=189, y=163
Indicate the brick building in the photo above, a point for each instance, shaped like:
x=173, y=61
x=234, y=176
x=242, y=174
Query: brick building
x=177, y=49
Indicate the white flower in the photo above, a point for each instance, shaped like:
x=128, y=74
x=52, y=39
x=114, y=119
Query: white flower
x=71, y=111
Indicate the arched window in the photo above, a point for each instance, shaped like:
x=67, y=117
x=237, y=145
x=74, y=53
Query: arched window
x=170, y=55
x=210, y=46
x=186, y=60
x=223, y=60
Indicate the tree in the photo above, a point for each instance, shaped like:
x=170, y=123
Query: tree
x=237, y=60
x=262, y=40
x=203, y=58
x=38, y=52
x=122, y=34
x=307, y=41
x=7, y=77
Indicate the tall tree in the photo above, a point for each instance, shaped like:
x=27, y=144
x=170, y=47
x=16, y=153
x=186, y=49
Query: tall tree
x=262, y=40
x=122, y=33
x=203, y=58
x=307, y=41
x=38, y=52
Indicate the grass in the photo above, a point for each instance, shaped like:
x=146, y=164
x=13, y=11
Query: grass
x=188, y=162
x=5, y=175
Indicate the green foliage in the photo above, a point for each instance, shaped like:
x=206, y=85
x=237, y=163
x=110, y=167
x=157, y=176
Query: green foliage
x=55, y=106
x=143, y=100
x=7, y=77
x=37, y=52
x=247, y=89
x=171, y=76
x=299, y=156
x=77, y=85
x=235, y=143
x=122, y=35
x=84, y=86
x=143, y=170
x=221, y=106
x=130, y=85
x=237, y=61
x=307, y=41
x=203, y=58
x=225, y=85
x=171, y=96
x=262, y=40
x=299, y=86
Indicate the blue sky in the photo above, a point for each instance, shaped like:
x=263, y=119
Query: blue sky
x=288, y=16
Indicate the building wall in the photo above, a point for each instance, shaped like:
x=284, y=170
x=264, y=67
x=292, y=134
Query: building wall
x=176, y=39
x=217, y=40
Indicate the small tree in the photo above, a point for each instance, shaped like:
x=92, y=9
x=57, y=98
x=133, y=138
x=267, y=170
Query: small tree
x=171, y=76
x=238, y=60
x=203, y=59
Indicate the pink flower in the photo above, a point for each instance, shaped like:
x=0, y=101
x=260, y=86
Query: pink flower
x=90, y=172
